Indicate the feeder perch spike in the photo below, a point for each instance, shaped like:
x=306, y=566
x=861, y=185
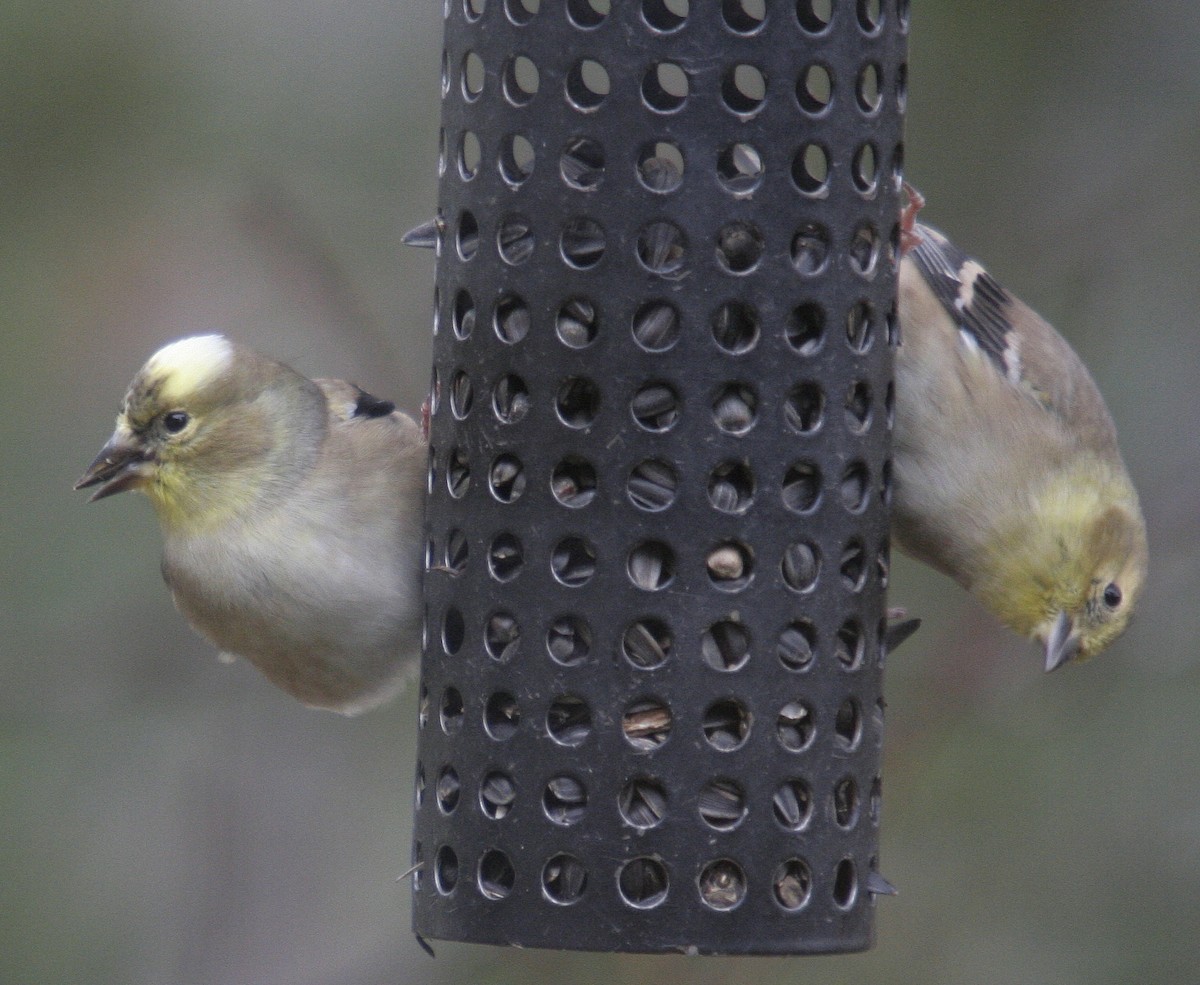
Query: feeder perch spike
x=425, y=236
x=879, y=886
x=897, y=633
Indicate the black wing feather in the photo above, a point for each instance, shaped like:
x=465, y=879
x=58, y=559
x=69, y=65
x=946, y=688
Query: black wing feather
x=369, y=406
x=982, y=310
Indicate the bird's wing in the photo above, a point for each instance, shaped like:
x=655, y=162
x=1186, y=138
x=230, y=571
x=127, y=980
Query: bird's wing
x=974, y=299
x=368, y=430
x=348, y=401
x=1018, y=343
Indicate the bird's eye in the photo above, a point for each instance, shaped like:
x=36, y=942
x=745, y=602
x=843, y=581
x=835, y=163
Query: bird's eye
x=175, y=421
x=1112, y=595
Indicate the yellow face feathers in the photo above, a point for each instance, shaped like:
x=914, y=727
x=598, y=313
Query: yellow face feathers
x=1119, y=557
x=1070, y=573
x=205, y=428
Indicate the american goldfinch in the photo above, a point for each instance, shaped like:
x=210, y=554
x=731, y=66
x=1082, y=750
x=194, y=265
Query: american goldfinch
x=1007, y=473
x=291, y=512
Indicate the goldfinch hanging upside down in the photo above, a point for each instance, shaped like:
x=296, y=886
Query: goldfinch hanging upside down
x=291, y=513
x=1007, y=473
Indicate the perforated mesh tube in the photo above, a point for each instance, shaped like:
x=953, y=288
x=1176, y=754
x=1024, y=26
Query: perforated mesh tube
x=651, y=709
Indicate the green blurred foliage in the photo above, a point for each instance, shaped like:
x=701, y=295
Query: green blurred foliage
x=171, y=167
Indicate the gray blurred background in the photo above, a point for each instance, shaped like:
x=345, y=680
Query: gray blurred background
x=174, y=167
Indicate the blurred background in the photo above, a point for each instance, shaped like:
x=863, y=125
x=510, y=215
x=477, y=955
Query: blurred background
x=171, y=167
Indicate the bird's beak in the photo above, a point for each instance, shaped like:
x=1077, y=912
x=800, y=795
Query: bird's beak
x=1062, y=642
x=122, y=464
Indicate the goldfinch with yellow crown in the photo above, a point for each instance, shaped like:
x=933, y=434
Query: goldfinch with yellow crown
x=291, y=514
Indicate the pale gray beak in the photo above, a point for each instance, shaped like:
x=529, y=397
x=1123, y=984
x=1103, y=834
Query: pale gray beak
x=121, y=465
x=1062, y=645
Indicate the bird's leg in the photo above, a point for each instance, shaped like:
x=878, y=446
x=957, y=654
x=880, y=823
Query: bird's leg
x=914, y=202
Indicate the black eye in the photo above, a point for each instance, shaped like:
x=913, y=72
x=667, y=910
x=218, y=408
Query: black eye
x=1112, y=595
x=175, y=421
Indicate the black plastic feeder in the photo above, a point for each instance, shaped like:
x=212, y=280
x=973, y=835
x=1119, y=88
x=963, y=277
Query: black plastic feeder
x=651, y=713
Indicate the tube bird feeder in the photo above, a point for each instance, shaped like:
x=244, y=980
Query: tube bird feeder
x=657, y=543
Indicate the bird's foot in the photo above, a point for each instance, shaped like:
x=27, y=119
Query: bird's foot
x=914, y=202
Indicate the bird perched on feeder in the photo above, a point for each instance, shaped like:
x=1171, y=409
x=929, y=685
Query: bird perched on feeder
x=291, y=512
x=1007, y=473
